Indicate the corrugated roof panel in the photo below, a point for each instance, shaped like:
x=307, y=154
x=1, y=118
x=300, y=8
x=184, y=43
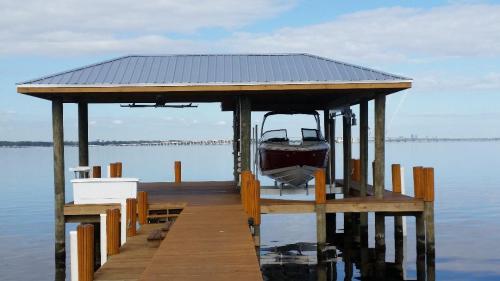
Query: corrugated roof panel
x=209, y=69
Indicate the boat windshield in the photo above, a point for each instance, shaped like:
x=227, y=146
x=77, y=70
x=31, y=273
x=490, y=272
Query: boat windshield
x=310, y=135
x=275, y=135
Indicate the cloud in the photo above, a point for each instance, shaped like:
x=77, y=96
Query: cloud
x=47, y=27
x=390, y=34
x=379, y=35
x=117, y=122
x=221, y=123
x=445, y=82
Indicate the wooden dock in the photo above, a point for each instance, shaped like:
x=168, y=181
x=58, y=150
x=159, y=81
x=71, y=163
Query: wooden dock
x=210, y=239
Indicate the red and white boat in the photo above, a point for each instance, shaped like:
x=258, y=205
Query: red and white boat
x=292, y=162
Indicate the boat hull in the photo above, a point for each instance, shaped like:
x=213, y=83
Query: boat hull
x=292, y=164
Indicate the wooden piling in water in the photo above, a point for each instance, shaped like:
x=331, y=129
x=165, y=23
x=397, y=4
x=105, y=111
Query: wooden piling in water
x=85, y=238
x=320, y=186
x=379, y=183
x=430, y=251
x=96, y=171
x=398, y=220
x=363, y=184
x=59, y=189
x=113, y=231
x=320, y=197
x=131, y=217
x=420, y=241
x=178, y=171
x=142, y=207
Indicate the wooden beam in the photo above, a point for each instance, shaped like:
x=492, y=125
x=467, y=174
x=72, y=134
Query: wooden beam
x=59, y=189
x=409, y=207
x=83, y=134
x=25, y=89
x=71, y=209
x=245, y=132
x=379, y=175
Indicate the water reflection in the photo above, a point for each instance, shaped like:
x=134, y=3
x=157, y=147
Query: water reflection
x=346, y=257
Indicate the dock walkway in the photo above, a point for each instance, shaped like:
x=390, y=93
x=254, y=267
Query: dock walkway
x=210, y=240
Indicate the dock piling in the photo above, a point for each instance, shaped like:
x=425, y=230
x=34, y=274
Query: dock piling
x=398, y=220
x=59, y=189
x=178, y=171
x=131, y=217
x=142, y=207
x=96, y=171
x=85, y=237
x=429, y=223
x=113, y=231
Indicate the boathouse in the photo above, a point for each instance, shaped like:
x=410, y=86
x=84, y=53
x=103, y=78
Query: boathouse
x=241, y=84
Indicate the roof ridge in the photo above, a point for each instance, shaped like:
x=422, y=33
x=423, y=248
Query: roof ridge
x=72, y=70
x=358, y=66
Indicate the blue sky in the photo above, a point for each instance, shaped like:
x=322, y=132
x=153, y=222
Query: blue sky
x=450, y=48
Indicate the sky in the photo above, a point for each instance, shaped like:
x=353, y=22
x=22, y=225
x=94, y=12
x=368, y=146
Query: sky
x=451, y=49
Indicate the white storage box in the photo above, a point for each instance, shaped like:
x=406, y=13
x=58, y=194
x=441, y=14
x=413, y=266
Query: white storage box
x=104, y=190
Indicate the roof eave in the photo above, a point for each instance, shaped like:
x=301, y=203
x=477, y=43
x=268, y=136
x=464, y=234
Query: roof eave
x=219, y=87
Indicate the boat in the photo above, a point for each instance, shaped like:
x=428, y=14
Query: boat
x=292, y=162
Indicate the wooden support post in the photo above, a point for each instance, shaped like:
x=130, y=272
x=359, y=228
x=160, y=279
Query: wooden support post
x=113, y=231
x=420, y=241
x=320, y=196
x=178, y=171
x=430, y=250
x=319, y=186
x=236, y=146
x=326, y=126
x=83, y=134
x=418, y=182
x=255, y=196
x=380, y=246
x=379, y=175
x=131, y=217
x=119, y=169
x=347, y=151
x=331, y=156
x=398, y=221
x=96, y=171
x=245, y=132
x=85, y=237
x=356, y=170
x=331, y=218
x=363, y=183
x=142, y=207
x=246, y=177
x=59, y=193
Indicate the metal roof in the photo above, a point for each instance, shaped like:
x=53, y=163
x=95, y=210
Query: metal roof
x=213, y=69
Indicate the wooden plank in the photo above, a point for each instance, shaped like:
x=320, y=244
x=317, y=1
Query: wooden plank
x=132, y=260
x=71, y=209
x=218, y=249
x=348, y=205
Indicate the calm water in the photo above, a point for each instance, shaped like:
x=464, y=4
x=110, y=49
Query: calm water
x=467, y=205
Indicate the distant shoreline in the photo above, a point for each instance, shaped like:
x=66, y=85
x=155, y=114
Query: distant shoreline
x=218, y=142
